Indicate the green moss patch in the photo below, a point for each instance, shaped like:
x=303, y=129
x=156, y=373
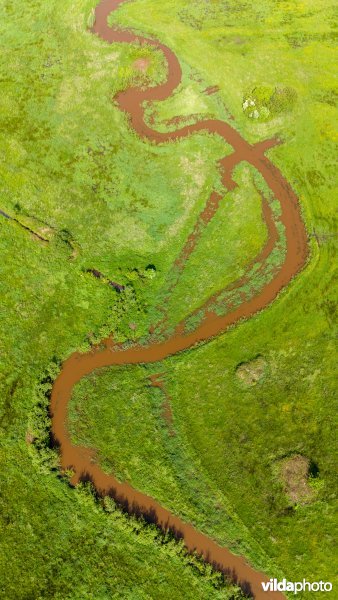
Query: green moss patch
x=264, y=102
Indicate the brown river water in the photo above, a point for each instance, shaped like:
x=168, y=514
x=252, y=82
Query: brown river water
x=82, y=460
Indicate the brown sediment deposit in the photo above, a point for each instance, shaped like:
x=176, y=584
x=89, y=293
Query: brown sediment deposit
x=295, y=476
x=82, y=460
x=211, y=90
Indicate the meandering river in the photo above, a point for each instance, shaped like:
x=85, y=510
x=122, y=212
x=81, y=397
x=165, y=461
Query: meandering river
x=81, y=460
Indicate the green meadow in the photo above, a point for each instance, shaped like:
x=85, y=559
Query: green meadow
x=81, y=191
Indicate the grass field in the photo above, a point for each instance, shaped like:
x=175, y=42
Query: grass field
x=74, y=173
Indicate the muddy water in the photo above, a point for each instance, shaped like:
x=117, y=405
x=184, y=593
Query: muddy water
x=82, y=460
